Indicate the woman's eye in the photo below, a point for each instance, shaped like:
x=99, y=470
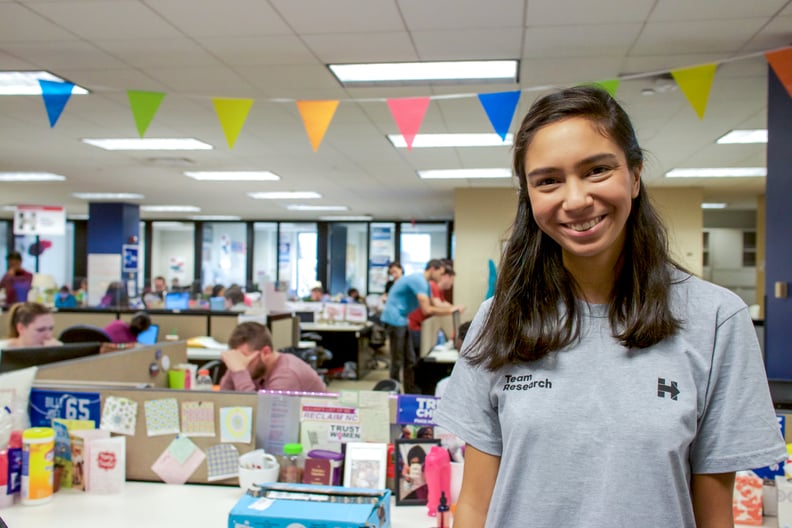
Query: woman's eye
x=546, y=181
x=600, y=169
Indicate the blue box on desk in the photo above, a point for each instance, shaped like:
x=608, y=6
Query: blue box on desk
x=282, y=505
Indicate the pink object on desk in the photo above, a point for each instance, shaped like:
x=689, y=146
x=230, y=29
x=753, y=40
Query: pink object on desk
x=437, y=469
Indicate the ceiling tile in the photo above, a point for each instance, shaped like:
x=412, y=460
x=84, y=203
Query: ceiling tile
x=158, y=53
x=340, y=16
x=336, y=48
x=722, y=36
x=685, y=10
x=466, y=44
x=573, y=12
x=107, y=19
x=55, y=56
x=580, y=41
x=279, y=49
x=20, y=23
x=564, y=70
x=229, y=18
x=461, y=14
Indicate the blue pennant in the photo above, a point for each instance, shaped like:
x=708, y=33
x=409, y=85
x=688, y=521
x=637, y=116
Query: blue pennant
x=55, y=95
x=500, y=108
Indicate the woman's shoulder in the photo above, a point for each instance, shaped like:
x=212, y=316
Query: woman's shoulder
x=699, y=296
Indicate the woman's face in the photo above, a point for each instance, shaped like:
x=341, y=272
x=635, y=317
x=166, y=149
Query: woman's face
x=580, y=189
x=38, y=332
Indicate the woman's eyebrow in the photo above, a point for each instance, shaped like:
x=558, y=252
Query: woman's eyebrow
x=596, y=158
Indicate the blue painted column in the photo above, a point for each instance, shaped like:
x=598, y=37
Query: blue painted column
x=113, y=249
x=778, y=266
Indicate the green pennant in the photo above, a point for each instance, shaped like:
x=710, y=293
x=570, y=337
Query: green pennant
x=144, y=105
x=611, y=86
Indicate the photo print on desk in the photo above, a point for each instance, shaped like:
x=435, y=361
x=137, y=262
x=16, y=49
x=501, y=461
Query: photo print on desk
x=411, y=488
x=365, y=465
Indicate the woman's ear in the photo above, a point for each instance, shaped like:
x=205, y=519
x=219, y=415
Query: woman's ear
x=636, y=184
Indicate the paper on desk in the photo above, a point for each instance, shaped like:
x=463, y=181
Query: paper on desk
x=375, y=414
x=236, y=424
x=162, y=416
x=119, y=415
x=171, y=471
x=198, y=418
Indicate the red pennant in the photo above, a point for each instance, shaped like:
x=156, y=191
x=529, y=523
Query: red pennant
x=408, y=114
x=781, y=62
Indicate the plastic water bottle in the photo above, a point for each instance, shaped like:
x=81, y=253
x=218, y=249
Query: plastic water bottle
x=204, y=380
x=437, y=469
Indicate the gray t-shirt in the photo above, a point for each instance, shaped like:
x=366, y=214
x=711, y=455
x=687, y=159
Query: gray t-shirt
x=598, y=435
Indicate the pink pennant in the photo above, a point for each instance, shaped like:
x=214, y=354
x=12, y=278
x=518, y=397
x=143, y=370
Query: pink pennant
x=409, y=114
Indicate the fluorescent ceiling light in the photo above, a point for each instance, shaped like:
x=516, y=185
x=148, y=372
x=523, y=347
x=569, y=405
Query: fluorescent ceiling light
x=290, y=195
x=744, y=136
x=721, y=172
x=464, y=174
x=713, y=205
x=30, y=177
x=341, y=218
x=452, y=140
x=209, y=218
x=232, y=175
x=305, y=207
x=400, y=72
x=27, y=83
x=148, y=143
x=170, y=208
x=108, y=196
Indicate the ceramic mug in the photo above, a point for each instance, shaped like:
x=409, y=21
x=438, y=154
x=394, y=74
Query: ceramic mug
x=257, y=467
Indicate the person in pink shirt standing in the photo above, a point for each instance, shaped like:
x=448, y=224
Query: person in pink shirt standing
x=253, y=365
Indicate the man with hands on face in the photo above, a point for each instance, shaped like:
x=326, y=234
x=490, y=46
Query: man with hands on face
x=253, y=364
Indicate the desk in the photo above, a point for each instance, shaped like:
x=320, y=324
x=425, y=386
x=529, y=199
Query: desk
x=347, y=342
x=435, y=366
x=156, y=505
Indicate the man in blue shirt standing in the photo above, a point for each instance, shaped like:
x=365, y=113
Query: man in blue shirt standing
x=407, y=294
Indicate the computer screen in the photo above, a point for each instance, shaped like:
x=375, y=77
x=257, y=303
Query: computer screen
x=217, y=304
x=20, y=358
x=149, y=336
x=177, y=300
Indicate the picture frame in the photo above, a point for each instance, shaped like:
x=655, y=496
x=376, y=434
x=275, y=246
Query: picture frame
x=410, y=478
x=365, y=465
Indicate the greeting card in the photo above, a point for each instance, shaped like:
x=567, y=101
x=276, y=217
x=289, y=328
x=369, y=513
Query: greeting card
x=236, y=424
x=198, y=418
x=172, y=467
x=162, y=416
x=222, y=461
x=105, y=467
x=119, y=415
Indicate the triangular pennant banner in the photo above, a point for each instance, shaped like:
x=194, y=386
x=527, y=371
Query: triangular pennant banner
x=611, y=86
x=232, y=114
x=696, y=83
x=500, y=108
x=144, y=105
x=316, y=116
x=409, y=114
x=55, y=96
x=781, y=62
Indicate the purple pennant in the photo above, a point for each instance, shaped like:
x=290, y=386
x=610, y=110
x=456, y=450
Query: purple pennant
x=500, y=108
x=55, y=95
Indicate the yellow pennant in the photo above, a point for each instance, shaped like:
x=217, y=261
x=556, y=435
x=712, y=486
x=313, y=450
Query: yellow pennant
x=232, y=114
x=316, y=116
x=696, y=83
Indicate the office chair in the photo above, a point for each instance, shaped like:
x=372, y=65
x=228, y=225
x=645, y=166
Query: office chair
x=84, y=334
x=387, y=385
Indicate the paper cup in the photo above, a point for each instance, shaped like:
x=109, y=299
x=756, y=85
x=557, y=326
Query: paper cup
x=257, y=467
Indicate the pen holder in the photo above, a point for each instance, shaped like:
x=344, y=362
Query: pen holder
x=257, y=467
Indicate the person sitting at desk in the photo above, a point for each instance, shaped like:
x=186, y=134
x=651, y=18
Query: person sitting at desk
x=317, y=293
x=30, y=324
x=122, y=332
x=65, y=298
x=253, y=365
x=235, y=299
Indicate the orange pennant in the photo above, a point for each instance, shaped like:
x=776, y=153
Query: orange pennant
x=409, y=114
x=696, y=83
x=316, y=116
x=781, y=62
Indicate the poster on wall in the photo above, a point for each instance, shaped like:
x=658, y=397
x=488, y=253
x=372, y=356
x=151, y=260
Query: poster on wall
x=102, y=270
x=381, y=254
x=39, y=220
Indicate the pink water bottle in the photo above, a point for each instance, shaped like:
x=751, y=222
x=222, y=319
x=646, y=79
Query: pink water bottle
x=437, y=469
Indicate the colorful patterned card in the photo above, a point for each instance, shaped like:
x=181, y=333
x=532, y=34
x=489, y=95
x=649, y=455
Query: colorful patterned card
x=119, y=415
x=171, y=471
x=162, y=416
x=222, y=461
x=198, y=418
x=236, y=424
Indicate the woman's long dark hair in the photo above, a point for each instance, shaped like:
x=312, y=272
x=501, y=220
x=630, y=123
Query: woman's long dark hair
x=534, y=310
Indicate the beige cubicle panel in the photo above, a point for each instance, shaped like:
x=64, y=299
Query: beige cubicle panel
x=64, y=320
x=221, y=326
x=124, y=366
x=429, y=329
x=184, y=325
x=285, y=330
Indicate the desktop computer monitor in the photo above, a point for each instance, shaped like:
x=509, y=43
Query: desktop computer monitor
x=177, y=300
x=217, y=304
x=20, y=358
x=149, y=336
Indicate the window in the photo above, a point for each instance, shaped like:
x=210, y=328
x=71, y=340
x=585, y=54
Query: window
x=297, y=258
x=173, y=251
x=420, y=243
x=224, y=254
x=705, y=248
x=265, y=256
x=749, y=249
x=382, y=243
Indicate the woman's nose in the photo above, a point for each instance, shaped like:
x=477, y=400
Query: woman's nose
x=576, y=195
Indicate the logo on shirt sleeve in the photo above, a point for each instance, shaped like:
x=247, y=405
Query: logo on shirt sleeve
x=669, y=388
x=525, y=382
